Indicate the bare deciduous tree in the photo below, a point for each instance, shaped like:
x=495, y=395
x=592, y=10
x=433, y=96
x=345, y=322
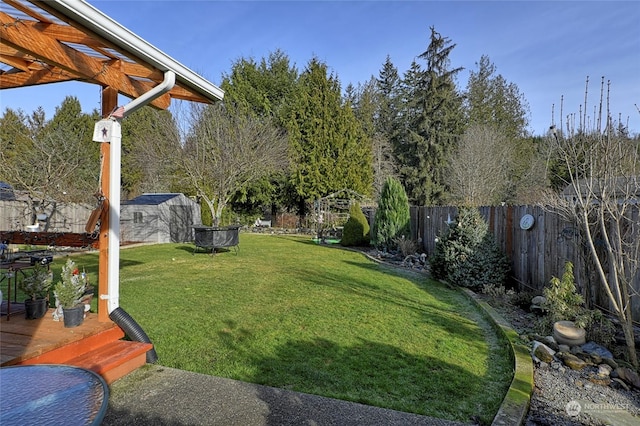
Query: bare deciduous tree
x=53, y=167
x=384, y=165
x=224, y=151
x=479, y=170
x=602, y=195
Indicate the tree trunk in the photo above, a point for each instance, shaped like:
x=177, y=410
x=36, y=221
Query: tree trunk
x=218, y=216
x=627, y=328
x=212, y=210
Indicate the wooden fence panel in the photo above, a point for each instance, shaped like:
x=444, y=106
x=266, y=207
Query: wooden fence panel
x=16, y=216
x=13, y=215
x=536, y=254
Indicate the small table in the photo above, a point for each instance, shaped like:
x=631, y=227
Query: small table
x=13, y=270
x=52, y=395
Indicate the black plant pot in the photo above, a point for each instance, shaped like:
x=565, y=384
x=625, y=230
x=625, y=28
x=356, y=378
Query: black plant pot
x=35, y=309
x=73, y=317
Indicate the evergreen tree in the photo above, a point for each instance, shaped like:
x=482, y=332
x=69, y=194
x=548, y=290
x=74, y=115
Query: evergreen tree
x=388, y=89
x=14, y=137
x=467, y=254
x=407, y=140
x=492, y=101
x=267, y=88
x=432, y=113
x=329, y=150
x=356, y=229
x=392, y=219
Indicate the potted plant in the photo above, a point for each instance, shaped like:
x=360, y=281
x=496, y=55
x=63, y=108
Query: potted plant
x=36, y=287
x=69, y=291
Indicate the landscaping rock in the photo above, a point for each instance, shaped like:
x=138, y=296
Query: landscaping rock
x=538, y=300
x=595, y=358
x=535, y=309
x=549, y=341
x=537, y=305
x=604, y=370
x=610, y=362
x=628, y=376
x=619, y=384
x=600, y=381
x=585, y=357
x=564, y=348
x=594, y=348
x=558, y=366
x=576, y=350
x=572, y=361
x=542, y=352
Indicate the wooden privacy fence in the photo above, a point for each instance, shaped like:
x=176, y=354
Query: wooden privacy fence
x=537, y=254
x=16, y=216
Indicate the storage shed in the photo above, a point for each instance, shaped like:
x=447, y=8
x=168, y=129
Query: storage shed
x=159, y=218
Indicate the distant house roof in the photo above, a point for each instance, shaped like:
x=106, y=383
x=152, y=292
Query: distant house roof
x=622, y=188
x=6, y=192
x=151, y=199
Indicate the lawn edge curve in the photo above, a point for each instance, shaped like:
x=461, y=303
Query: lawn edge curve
x=515, y=405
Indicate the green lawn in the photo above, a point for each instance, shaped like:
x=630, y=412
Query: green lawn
x=288, y=313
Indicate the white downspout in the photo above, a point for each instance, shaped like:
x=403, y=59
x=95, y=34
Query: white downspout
x=162, y=88
x=115, y=152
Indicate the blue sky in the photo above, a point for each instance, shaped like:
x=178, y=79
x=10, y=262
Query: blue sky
x=546, y=48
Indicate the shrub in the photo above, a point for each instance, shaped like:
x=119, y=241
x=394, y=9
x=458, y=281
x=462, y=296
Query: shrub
x=563, y=303
x=356, y=229
x=406, y=245
x=467, y=254
x=392, y=219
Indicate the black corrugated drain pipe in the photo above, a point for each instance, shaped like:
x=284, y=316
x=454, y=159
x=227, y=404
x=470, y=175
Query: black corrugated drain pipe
x=133, y=331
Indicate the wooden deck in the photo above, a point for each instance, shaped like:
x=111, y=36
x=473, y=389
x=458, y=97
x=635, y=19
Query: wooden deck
x=94, y=345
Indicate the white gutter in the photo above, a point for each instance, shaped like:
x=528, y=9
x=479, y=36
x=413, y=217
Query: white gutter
x=96, y=21
x=115, y=152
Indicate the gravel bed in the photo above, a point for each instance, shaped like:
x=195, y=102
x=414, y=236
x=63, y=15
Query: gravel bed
x=565, y=397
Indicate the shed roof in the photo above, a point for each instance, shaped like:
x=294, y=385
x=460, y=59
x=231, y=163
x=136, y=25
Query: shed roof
x=62, y=40
x=151, y=199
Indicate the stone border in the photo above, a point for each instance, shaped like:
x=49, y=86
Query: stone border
x=515, y=406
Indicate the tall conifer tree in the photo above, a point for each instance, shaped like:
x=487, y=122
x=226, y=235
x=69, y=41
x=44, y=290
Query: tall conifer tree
x=329, y=150
x=432, y=112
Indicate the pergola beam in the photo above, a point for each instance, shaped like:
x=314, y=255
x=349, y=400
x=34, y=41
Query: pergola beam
x=29, y=39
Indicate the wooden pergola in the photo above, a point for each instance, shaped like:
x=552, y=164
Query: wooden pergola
x=55, y=41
